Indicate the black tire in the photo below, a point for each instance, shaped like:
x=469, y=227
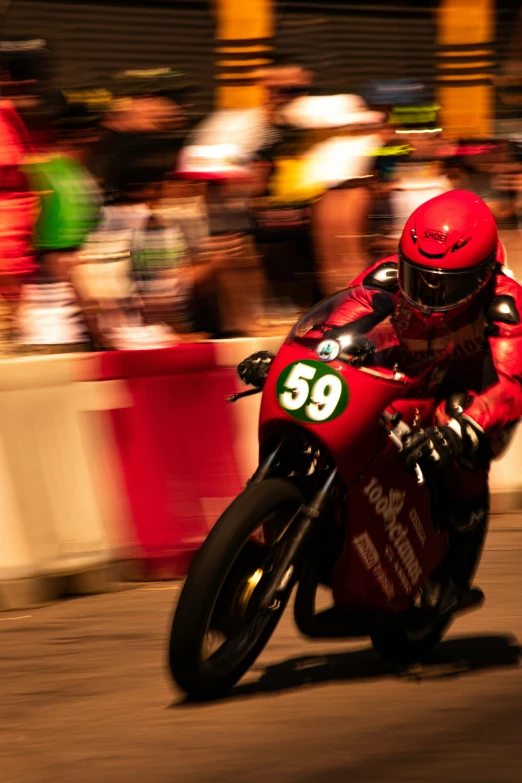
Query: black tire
x=222, y=553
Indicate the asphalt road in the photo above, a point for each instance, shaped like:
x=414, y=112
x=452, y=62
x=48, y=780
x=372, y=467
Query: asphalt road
x=84, y=696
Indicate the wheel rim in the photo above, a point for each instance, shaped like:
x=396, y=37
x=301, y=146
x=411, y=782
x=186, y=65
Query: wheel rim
x=236, y=622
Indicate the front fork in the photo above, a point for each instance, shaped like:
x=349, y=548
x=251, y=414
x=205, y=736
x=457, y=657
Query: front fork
x=303, y=529
x=264, y=469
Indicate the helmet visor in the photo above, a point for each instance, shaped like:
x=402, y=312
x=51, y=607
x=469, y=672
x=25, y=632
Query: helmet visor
x=435, y=290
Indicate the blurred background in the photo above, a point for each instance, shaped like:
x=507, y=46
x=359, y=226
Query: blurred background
x=178, y=171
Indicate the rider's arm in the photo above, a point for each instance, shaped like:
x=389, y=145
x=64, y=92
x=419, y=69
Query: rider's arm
x=500, y=404
x=371, y=303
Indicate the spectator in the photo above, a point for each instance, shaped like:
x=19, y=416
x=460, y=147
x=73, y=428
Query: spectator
x=144, y=128
x=18, y=204
x=229, y=293
x=505, y=198
x=183, y=204
x=280, y=213
x=50, y=318
x=417, y=173
x=25, y=68
x=138, y=269
x=339, y=166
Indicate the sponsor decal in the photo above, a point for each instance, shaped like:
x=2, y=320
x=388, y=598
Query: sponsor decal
x=312, y=392
x=436, y=236
x=390, y=554
x=328, y=350
x=383, y=581
x=388, y=507
x=371, y=559
x=417, y=526
x=366, y=549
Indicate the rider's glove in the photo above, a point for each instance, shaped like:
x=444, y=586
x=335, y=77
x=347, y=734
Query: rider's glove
x=441, y=445
x=254, y=370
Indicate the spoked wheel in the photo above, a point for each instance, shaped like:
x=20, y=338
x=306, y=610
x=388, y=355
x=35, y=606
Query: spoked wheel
x=220, y=626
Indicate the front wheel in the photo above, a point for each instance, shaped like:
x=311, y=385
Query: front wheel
x=220, y=627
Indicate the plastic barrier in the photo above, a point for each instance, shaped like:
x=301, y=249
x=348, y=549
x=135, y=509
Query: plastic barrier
x=184, y=451
x=506, y=478
x=130, y=457
x=175, y=446
x=54, y=536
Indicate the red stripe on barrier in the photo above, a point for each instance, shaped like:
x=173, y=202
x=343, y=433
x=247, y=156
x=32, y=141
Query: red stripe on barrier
x=176, y=445
x=195, y=357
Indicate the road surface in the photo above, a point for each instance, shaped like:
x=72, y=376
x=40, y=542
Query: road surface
x=84, y=697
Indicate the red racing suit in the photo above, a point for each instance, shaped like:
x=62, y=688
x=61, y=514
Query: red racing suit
x=486, y=362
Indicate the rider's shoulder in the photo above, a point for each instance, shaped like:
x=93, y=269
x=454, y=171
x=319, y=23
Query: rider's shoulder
x=505, y=305
x=384, y=274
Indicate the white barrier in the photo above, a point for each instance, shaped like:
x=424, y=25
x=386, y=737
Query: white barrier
x=54, y=529
x=506, y=478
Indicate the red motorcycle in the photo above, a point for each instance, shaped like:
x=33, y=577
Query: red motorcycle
x=330, y=504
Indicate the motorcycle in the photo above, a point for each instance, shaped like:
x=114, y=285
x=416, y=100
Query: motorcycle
x=331, y=505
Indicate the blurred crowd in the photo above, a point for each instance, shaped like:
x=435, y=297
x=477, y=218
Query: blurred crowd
x=128, y=221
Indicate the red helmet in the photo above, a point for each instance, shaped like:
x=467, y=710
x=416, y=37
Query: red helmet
x=447, y=252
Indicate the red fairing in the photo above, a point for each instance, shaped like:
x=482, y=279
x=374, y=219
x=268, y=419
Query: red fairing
x=398, y=550
x=368, y=398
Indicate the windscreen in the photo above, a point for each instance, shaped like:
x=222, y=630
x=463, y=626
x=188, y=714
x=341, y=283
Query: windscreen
x=372, y=329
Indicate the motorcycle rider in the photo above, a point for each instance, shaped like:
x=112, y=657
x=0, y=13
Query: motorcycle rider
x=450, y=270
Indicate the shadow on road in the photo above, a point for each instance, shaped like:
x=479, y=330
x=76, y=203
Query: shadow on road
x=453, y=658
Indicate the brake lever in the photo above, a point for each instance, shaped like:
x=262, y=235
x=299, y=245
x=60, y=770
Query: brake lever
x=239, y=395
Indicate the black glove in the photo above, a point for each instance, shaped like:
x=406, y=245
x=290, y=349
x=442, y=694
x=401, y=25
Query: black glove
x=254, y=370
x=441, y=445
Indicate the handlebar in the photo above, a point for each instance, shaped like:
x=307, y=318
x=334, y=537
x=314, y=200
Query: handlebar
x=239, y=395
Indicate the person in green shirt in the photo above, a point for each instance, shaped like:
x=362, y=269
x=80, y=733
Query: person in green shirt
x=50, y=316
x=70, y=198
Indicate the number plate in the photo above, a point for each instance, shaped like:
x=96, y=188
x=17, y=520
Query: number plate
x=312, y=391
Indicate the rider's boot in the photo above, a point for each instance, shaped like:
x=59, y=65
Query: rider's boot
x=467, y=523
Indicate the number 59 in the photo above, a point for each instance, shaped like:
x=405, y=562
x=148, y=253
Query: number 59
x=323, y=397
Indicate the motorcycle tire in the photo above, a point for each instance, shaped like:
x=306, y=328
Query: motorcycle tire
x=226, y=547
